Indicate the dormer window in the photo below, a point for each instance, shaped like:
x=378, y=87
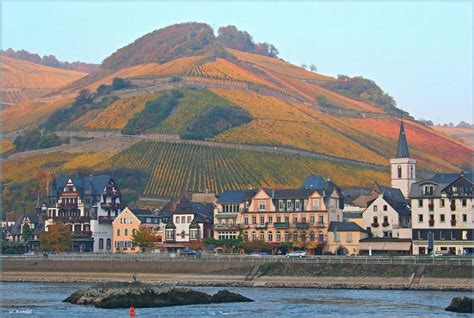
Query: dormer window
x=429, y=190
x=261, y=205
x=281, y=205
x=297, y=205
x=289, y=204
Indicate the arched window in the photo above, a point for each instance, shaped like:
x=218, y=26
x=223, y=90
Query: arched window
x=399, y=169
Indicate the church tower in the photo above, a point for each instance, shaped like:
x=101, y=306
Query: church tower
x=402, y=167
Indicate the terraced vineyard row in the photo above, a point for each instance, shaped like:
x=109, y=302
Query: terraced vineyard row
x=174, y=167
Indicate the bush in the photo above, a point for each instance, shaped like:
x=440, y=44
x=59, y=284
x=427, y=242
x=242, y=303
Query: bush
x=120, y=83
x=33, y=138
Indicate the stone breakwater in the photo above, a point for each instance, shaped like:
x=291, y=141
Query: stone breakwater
x=139, y=295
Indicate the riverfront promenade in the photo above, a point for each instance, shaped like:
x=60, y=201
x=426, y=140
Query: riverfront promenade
x=318, y=272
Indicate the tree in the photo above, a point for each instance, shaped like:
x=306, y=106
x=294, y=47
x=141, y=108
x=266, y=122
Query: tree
x=195, y=245
x=304, y=66
x=119, y=83
x=26, y=233
x=83, y=97
x=144, y=237
x=56, y=239
x=313, y=68
x=103, y=90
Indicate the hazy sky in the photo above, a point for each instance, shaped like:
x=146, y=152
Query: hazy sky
x=420, y=53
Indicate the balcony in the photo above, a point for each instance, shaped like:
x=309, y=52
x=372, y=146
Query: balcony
x=453, y=207
x=431, y=222
x=67, y=205
x=261, y=226
x=106, y=219
x=73, y=219
x=375, y=224
x=230, y=227
x=385, y=224
x=431, y=207
x=302, y=226
x=110, y=205
x=81, y=234
x=281, y=225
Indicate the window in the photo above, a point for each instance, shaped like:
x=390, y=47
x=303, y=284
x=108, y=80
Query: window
x=303, y=219
x=262, y=236
x=126, y=232
x=349, y=237
x=464, y=202
x=375, y=208
x=399, y=172
x=189, y=219
x=254, y=236
x=170, y=234
x=464, y=235
x=385, y=208
x=281, y=205
x=289, y=205
x=262, y=220
x=278, y=236
x=194, y=234
x=385, y=219
x=420, y=203
x=312, y=237
x=453, y=217
x=412, y=174
x=270, y=236
x=177, y=220
x=295, y=236
x=287, y=219
x=270, y=219
x=148, y=220
x=441, y=218
x=321, y=220
x=441, y=203
x=109, y=244
x=118, y=232
x=101, y=244
x=429, y=190
x=297, y=205
x=464, y=217
x=420, y=218
x=246, y=236
x=183, y=219
x=287, y=236
x=316, y=204
x=295, y=219
x=278, y=219
x=254, y=219
x=376, y=220
x=246, y=221
x=261, y=205
x=311, y=219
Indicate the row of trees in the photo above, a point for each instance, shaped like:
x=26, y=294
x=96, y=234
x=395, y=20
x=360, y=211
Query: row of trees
x=34, y=138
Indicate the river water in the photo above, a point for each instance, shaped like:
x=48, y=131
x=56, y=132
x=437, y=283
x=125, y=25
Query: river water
x=45, y=300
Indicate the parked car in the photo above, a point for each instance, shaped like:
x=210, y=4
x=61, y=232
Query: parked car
x=30, y=253
x=190, y=252
x=299, y=254
x=259, y=254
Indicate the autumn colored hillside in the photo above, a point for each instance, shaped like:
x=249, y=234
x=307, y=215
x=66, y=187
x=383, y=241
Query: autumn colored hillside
x=24, y=81
x=185, y=82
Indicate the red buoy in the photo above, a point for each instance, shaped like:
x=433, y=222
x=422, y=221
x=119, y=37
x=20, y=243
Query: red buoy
x=132, y=311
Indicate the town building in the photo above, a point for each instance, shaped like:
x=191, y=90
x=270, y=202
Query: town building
x=300, y=216
x=189, y=222
x=30, y=225
x=388, y=215
x=87, y=205
x=344, y=237
x=442, y=214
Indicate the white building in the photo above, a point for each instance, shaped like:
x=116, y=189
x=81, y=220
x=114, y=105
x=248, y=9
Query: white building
x=442, y=207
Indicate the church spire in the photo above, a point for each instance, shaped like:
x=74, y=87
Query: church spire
x=402, y=148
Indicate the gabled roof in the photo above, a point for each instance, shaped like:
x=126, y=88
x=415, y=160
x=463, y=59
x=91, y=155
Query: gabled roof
x=236, y=196
x=441, y=181
x=34, y=218
x=94, y=184
x=402, y=148
x=345, y=227
x=313, y=182
x=394, y=197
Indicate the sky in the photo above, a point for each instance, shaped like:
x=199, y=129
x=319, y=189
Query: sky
x=420, y=53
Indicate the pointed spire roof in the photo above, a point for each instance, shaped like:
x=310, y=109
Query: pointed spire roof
x=402, y=148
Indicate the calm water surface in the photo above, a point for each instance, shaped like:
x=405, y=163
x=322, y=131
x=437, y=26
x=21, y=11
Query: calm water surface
x=45, y=300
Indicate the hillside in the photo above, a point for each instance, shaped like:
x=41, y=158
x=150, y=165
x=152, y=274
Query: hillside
x=24, y=81
x=218, y=91
x=49, y=60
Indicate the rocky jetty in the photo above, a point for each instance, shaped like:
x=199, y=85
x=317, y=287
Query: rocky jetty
x=461, y=304
x=139, y=295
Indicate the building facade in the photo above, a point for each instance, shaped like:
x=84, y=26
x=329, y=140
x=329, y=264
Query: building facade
x=344, y=237
x=300, y=216
x=442, y=212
